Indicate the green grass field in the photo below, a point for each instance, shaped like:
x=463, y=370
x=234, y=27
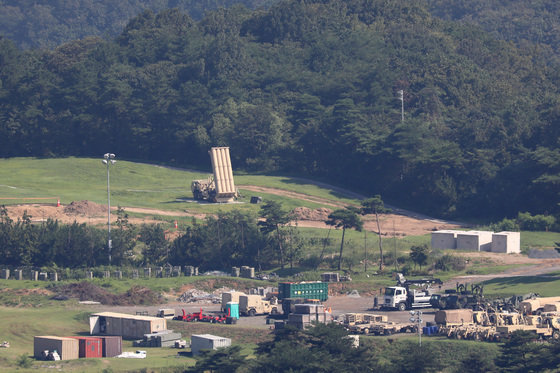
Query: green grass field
x=131, y=184
x=149, y=186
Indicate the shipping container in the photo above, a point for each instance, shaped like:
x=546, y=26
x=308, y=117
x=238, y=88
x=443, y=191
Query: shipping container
x=67, y=348
x=310, y=290
x=207, y=342
x=230, y=296
x=127, y=326
x=89, y=347
x=112, y=345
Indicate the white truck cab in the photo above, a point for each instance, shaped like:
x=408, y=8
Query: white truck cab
x=402, y=297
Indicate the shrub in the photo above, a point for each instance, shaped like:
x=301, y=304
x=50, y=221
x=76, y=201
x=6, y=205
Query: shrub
x=24, y=361
x=450, y=263
x=505, y=225
x=535, y=223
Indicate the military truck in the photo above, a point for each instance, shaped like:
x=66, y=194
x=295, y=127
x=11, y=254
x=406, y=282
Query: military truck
x=459, y=298
x=408, y=294
x=220, y=186
x=252, y=305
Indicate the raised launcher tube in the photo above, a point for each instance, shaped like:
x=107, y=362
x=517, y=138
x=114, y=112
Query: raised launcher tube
x=223, y=174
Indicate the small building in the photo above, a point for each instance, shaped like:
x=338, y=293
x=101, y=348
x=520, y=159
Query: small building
x=207, y=342
x=112, y=345
x=125, y=325
x=474, y=241
x=89, y=347
x=444, y=240
x=506, y=242
x=67, y=348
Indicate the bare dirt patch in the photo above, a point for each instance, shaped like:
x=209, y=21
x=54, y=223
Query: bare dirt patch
x=137, y=295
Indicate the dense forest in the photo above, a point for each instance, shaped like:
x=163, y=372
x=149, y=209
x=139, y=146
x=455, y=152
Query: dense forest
x=306, y=87
x=50, y=23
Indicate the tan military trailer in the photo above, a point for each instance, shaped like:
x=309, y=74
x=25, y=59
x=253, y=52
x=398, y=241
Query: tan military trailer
x=251, y=305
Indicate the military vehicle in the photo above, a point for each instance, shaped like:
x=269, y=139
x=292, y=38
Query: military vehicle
x=220, y=186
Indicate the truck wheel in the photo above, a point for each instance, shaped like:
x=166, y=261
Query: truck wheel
x=556, y=335
x=252, y=312
x=366, y=331
x=402, y=306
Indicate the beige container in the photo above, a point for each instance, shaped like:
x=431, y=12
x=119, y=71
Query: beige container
x=67, y=348
x=127, y=326
x=460, y=316
x=230, y=296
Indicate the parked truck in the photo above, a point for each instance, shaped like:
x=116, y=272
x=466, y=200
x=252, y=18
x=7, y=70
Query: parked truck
x=309, y=290
x=460, y=297
x=408, y=294
x=251, y=305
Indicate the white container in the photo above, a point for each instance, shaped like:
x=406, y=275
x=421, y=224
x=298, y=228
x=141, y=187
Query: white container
x=207, y=342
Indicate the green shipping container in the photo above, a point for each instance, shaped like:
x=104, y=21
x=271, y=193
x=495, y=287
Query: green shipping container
x=309, y=290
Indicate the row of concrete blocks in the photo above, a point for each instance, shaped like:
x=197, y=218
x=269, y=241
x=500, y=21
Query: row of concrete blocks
x=33, y=275
x=159, y=272
x=244, y=271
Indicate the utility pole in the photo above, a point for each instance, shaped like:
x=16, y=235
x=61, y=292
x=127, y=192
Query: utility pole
x=109, y=159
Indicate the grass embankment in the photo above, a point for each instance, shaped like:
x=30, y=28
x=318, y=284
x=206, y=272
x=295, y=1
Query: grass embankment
x=20, y=325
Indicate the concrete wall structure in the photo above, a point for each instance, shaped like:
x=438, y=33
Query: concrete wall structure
x=444, y=240
x=506, y=242
x=502, y=242
x=474, y=241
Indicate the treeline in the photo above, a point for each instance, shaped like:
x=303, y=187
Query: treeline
x=220, y=242
x=306, y=87
x=327, y=348
x=33, y=24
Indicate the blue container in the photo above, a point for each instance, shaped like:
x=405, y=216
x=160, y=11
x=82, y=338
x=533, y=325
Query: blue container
x=427, y=330
x=232, y=309
x=435, y=329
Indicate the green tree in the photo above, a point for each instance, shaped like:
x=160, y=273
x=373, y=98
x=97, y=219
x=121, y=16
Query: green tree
x=519, y=353
x=223, y=360
x=419, y=255
x=275, y=218
x=345, y=219
x=376, y=206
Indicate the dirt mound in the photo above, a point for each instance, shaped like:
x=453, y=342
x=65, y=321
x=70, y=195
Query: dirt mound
x=85, y=208
x=84, y=290
x=305, y=213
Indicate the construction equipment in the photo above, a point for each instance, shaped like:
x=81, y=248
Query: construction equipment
x=402, y=297
x=458, y=298
x=252, y=305
x=200, y=316
x=219, y=187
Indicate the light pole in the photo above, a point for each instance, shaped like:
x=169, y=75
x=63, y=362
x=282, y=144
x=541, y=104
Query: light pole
x=109, y=159
x=417, y=317
x=401, y=97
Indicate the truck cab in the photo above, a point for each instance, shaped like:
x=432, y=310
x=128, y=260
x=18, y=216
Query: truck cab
x=403, y=297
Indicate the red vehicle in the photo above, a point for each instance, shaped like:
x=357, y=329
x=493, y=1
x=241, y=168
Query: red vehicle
x=199, y=316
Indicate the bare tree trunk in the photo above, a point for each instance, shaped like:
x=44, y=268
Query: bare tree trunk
x=341, y=248
x=324, y=247
x=280, y=247
x=381, y=263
